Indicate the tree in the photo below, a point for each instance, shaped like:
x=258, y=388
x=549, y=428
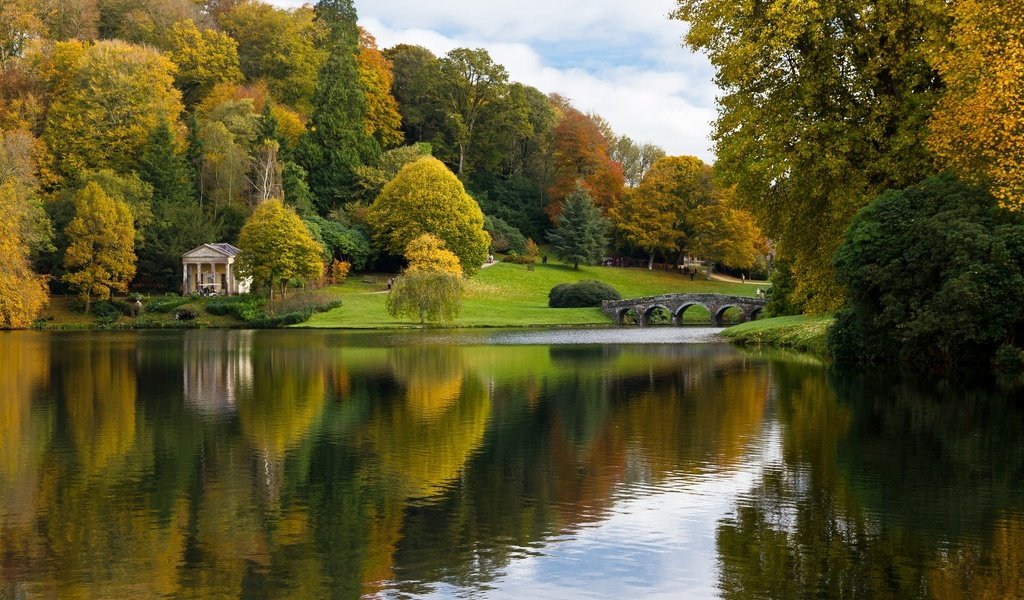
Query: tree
x=22, y=292
x=282, y=47
x=581, y=159
x=428, y=254
x=383, y=120
x=101, y=245
x=472, y=84
x=19, y=23
x=107, y=98
x=417, y=75
x=933, y=275
x=823, y=106
x=725, y=235
x=425, y=197
x=429, y=296
x=656, y=215
x=204, y=59
x=21, y=155
x=337, y=141
x=977, y=128
x=277, y=249
x=178, y=221
x=581, y=235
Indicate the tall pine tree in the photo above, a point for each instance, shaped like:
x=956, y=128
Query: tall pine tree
x=179, y=222
x=582, y=233
x=337, y=141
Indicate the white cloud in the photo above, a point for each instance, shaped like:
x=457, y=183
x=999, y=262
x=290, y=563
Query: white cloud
x=622, y=60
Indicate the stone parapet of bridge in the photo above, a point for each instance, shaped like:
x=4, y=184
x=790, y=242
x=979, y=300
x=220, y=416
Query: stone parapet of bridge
x=676, y=305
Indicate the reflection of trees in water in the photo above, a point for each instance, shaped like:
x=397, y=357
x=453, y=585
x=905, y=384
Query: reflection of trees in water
x=548, y=468
x=884, y=490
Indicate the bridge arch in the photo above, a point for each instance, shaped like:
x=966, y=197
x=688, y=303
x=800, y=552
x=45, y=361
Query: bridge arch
x=677, y=316
x=649, y=313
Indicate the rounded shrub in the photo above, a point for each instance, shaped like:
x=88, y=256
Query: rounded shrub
x=582, y=294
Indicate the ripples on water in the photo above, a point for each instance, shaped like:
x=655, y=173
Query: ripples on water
x=596, y=463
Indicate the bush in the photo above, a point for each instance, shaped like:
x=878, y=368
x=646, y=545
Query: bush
x=934, y=276
x=165, y=304
x=519, y=259
x=244, y=308
x=581, y=294
x=185, y=314
x=109, y=310
x=504, y=237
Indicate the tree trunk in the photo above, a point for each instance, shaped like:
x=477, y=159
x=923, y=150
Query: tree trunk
x=650, y=261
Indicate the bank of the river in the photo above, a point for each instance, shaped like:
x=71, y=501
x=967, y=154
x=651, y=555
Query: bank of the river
x=805, y=333
x=508, y=295
x=502, y=295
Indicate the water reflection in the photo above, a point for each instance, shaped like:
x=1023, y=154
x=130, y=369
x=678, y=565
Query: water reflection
x=299, y=465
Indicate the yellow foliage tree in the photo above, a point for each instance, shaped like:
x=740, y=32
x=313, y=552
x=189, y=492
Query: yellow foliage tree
x=428, y=254
x=277, y=248
x=383, y=121
x=425, y=197
x=101, y=245
x=726, y=235
x=22, y=292
x=107, y=98
x=977, y=128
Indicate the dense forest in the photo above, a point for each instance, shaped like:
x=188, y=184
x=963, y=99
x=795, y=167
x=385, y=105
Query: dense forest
x=134, y=130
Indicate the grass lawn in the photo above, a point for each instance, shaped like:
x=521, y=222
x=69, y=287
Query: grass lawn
x=508, y=295
x=805, y=333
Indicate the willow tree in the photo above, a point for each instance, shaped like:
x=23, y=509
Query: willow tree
x=823, y=106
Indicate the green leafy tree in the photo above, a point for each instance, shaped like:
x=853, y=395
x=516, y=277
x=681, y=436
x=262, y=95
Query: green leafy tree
x=933, y=275
x=417, y=77
x=100, y=256
x=428, y=296
x=178, y=221
x=277, y=248
x=823, y=106
x=425, y=197
x=337, y=141
x=581, y=234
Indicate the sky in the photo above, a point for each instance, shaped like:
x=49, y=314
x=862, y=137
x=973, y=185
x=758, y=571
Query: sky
x=622, y=60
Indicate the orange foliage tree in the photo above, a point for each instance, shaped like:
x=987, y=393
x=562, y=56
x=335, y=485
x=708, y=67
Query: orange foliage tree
x=581, y=159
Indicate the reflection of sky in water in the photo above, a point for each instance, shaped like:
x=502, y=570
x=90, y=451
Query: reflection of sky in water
x=520, y=337
x=658, y=541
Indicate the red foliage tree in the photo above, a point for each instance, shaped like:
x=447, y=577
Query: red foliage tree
x=581, y=157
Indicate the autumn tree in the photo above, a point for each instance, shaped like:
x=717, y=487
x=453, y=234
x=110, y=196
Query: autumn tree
x=977, y=129
x=383, y=121
x=581, y=234
x=425, y=197
x=107, y=98
x=636, y=159
x=580, y=157
x=19, y=24
x=21, y=155
x=204, y=59
x=100, y=256
x=725, y=235
x=654, y=216
x=22, y=292
x=337, y=141
x=822, y=107
x=277, y=249
x=427, y=253
x=282, y=47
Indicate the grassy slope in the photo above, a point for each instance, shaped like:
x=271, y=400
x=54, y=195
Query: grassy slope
x=804, y=333
x=507, y=295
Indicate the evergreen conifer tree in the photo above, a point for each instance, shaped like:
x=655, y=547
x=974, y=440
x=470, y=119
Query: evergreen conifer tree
x=337, y=141
x=582, y=233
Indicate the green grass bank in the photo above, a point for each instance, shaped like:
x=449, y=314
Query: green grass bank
x=805, y=333
x=509, y=295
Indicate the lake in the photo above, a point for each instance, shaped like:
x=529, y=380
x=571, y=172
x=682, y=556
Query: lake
x=607, y=463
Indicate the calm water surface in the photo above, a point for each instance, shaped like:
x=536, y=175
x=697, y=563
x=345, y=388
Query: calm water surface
x=653, y=463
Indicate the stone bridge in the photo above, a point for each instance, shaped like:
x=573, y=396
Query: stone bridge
x=676, y=305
